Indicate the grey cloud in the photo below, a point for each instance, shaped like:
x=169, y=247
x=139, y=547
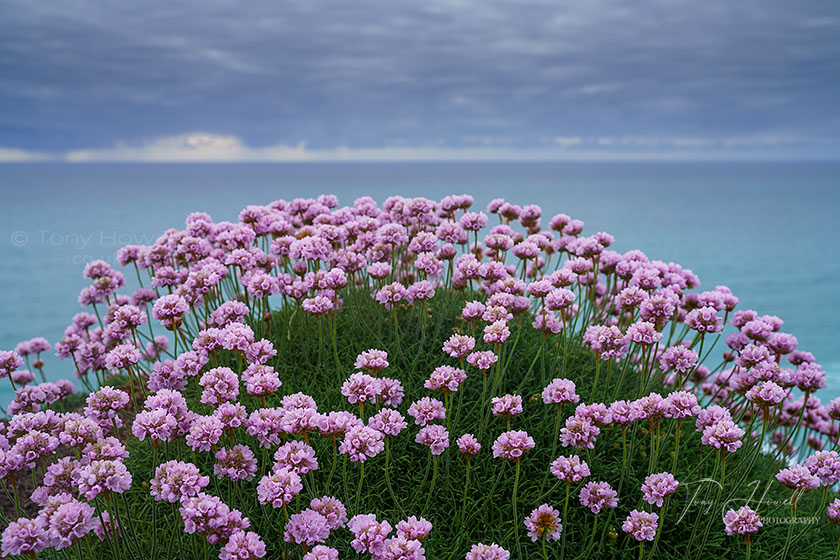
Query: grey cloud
x=88, y=73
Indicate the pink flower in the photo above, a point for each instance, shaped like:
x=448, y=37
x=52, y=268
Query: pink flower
x=317, y=305
x=833, y=511
x=26, y=537
x=704, y=320
x=368, y=533
x=169, y=310
x=507, y=405
x=361, y=443
x=825, y=465
x=711, y=415
x=459, y=345
x=321, y=552
x=391, y=392
x=243, y=546
x=598, y=495
x=798, y=477
x=261, y=380
x=278, y=488
x=657, y=487
x=482, y=551
x=372, y=361
x=336, y=423
x=220, y=384
x=400, y=548
x=766, y=394
x=544, y=523
x=427, y=410
x=468, y=445
x=390, y=295
x=569, y=469
x=296, y=456
x=388, y=421
x=361, y=388
x=723, y=434
x=175, y=480
x=512, y=445
x=102, y=476
x=155, y=424
x=678, y=358
x=435, y=437
x=445, y=377
x=579, y=432
x=236, y=463
x=332, y=510
x=741, y=521
x=681, y=404
x=560, y=391
x=483, y=360
x=70, y=522
x=641, y=524
x=204, y=433
x=598, y=413
x=496, y=333
x=306, y=528
x=643, y=333
x=265, y=424
x=414, y=528
x=210, y=517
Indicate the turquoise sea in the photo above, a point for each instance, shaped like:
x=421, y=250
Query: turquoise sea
x=769, y=230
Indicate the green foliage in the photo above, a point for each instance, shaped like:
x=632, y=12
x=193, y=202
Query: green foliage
x=308, y=363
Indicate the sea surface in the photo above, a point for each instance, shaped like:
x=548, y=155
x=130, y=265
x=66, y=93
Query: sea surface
x=769, y=231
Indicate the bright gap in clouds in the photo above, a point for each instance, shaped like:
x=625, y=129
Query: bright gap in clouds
x=206, y=147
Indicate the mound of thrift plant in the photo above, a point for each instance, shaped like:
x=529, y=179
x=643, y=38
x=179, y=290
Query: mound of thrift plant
x=412, y=379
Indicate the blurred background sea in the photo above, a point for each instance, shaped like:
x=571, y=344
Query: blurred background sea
x=768, y=230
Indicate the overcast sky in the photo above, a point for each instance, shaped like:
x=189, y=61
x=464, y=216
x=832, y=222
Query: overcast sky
x=425, y=79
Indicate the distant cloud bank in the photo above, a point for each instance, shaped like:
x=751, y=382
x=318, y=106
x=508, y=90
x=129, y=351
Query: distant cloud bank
x=208, y=147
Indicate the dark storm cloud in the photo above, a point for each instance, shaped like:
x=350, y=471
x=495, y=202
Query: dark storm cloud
x=518, y=74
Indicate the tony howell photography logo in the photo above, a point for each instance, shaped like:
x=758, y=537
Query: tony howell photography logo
x=703, y=495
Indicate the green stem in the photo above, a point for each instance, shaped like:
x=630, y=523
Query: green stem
x=554, y=444
x=432, y=485
x=359, y=488
x=790, y=528
x=676, y=447
x=388, y=476
x=565, y=520
x=464, y=498
x=515, y=512
x=597, y=374
x=592, y=537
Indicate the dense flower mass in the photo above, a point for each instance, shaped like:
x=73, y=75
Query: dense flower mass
x=263, y=368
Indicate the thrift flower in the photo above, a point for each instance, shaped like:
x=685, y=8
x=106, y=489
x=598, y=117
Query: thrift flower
x=741, y=521
x=657, y=487
x=641, y=524
x=544, y=523
x=598, y=495
x=512, y=445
